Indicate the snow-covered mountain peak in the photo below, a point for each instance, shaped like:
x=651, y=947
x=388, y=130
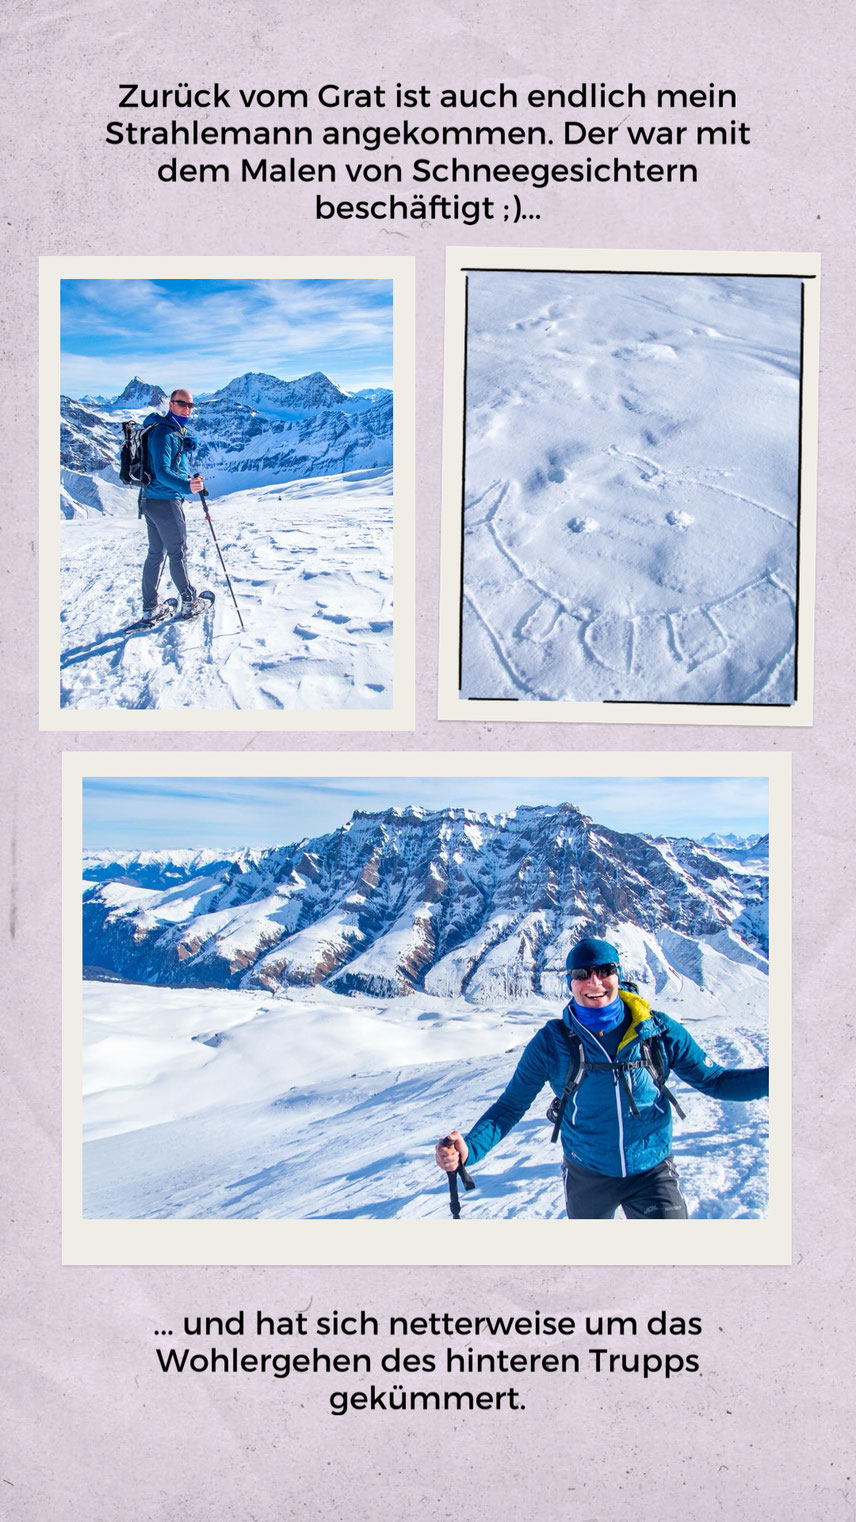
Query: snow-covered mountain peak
x=256, y=431
x=266, y=393
x=139, y=393
x=449, y=901
x=370, y=394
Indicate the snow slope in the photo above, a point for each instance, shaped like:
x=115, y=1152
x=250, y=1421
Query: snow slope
x=235, y=1104
x=631, y=487
x=383, y=979
x=311, y=565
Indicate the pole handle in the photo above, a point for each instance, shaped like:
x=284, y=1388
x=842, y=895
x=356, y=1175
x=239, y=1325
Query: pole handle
x=465, y=1178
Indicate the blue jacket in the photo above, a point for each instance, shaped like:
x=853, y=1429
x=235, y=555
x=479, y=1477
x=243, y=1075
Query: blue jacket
x=167, y=446
x=599, y=1130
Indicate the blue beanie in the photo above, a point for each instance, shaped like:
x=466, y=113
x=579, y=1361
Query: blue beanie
x=592, y=953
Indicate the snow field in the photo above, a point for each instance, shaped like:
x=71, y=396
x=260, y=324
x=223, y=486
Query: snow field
x=214, y=1104
x=311, y=565
x=631, y=487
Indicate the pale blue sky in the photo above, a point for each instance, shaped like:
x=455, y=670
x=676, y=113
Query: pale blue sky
x=203, y=333
x=135, y=814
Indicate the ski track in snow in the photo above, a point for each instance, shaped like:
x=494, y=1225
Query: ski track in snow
x=631, y=490
x=311, y=565
x=256, y=1134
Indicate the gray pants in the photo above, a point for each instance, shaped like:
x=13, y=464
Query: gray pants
x=167, y=532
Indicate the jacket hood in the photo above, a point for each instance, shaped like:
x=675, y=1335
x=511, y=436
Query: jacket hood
x=643, y=1019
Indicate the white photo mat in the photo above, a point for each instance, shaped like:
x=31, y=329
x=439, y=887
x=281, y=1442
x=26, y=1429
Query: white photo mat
x=735, y=1241
x=451, y=703
x=401, y=272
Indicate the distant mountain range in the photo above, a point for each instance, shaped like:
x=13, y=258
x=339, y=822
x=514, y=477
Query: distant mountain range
x=731, y=842
x=256, y=431
x=453, y=902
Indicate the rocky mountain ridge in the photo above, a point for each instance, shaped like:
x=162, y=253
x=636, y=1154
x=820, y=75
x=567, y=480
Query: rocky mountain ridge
x=450, y=902
x=258, y=430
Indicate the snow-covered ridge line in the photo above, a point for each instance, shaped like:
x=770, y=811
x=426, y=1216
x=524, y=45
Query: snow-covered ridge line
x=451, y=902
x=256, y=430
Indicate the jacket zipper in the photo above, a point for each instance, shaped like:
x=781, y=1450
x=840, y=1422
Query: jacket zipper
x=617, y=1104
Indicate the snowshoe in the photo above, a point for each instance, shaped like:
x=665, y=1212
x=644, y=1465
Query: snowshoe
x=154, y=616
x=192, y=607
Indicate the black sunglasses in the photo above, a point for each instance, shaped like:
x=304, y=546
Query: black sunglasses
x=603, y=970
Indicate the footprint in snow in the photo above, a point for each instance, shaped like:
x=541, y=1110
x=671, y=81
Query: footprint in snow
x=679, y=520
x=583, y=525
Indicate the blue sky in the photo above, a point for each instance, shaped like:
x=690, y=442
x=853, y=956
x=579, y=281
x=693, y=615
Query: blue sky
x=136, y=814
x=202, y=333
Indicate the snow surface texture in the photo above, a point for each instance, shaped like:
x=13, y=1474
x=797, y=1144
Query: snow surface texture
x=354, y=995
x=311, y=565
x=299, y=475
x=237, y=1105
x=631, y=487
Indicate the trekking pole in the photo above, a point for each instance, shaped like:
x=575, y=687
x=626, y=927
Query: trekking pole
x=203, y=497
x=468, y=1183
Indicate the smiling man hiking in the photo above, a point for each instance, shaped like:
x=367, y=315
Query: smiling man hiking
x=168, y=481
x=607, y=1061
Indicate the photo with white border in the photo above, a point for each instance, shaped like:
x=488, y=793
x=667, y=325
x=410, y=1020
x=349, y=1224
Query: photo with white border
x=286, y=978
x=629, y=488
x=278, y=595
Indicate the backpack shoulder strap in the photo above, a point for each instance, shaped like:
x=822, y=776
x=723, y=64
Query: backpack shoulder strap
x=653, y=1052
x=573, y=1078
x=163, y=422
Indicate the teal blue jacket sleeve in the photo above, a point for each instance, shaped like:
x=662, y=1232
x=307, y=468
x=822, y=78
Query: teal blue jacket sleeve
x=167, y=463
x=687, y=1059
x=527, y=1081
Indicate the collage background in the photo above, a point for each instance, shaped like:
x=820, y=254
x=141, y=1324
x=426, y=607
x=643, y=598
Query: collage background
x=95, y=1431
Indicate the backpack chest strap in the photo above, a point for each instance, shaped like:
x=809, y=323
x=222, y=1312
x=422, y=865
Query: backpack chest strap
x=652, y=1060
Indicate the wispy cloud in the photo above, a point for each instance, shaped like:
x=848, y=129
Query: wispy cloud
x=209, y=331
x=224, y=812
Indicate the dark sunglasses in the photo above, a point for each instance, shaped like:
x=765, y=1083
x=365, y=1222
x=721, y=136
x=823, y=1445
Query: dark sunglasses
x=179, y=403
x=603, y=970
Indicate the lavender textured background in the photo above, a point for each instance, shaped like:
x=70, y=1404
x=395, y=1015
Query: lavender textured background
x=95, y=1432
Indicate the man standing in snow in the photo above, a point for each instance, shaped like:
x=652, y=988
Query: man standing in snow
x=607, y=1061
x=167, y=443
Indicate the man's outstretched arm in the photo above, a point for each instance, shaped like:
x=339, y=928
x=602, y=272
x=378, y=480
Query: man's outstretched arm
x=695, y=1067
x=526, y=1083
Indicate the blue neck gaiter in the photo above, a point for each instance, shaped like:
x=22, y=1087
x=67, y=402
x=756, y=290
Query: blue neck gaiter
x=604, y=1019
x=181, y=421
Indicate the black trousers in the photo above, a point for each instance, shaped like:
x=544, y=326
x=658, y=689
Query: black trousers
x=654, y=1195
x=167, y=532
